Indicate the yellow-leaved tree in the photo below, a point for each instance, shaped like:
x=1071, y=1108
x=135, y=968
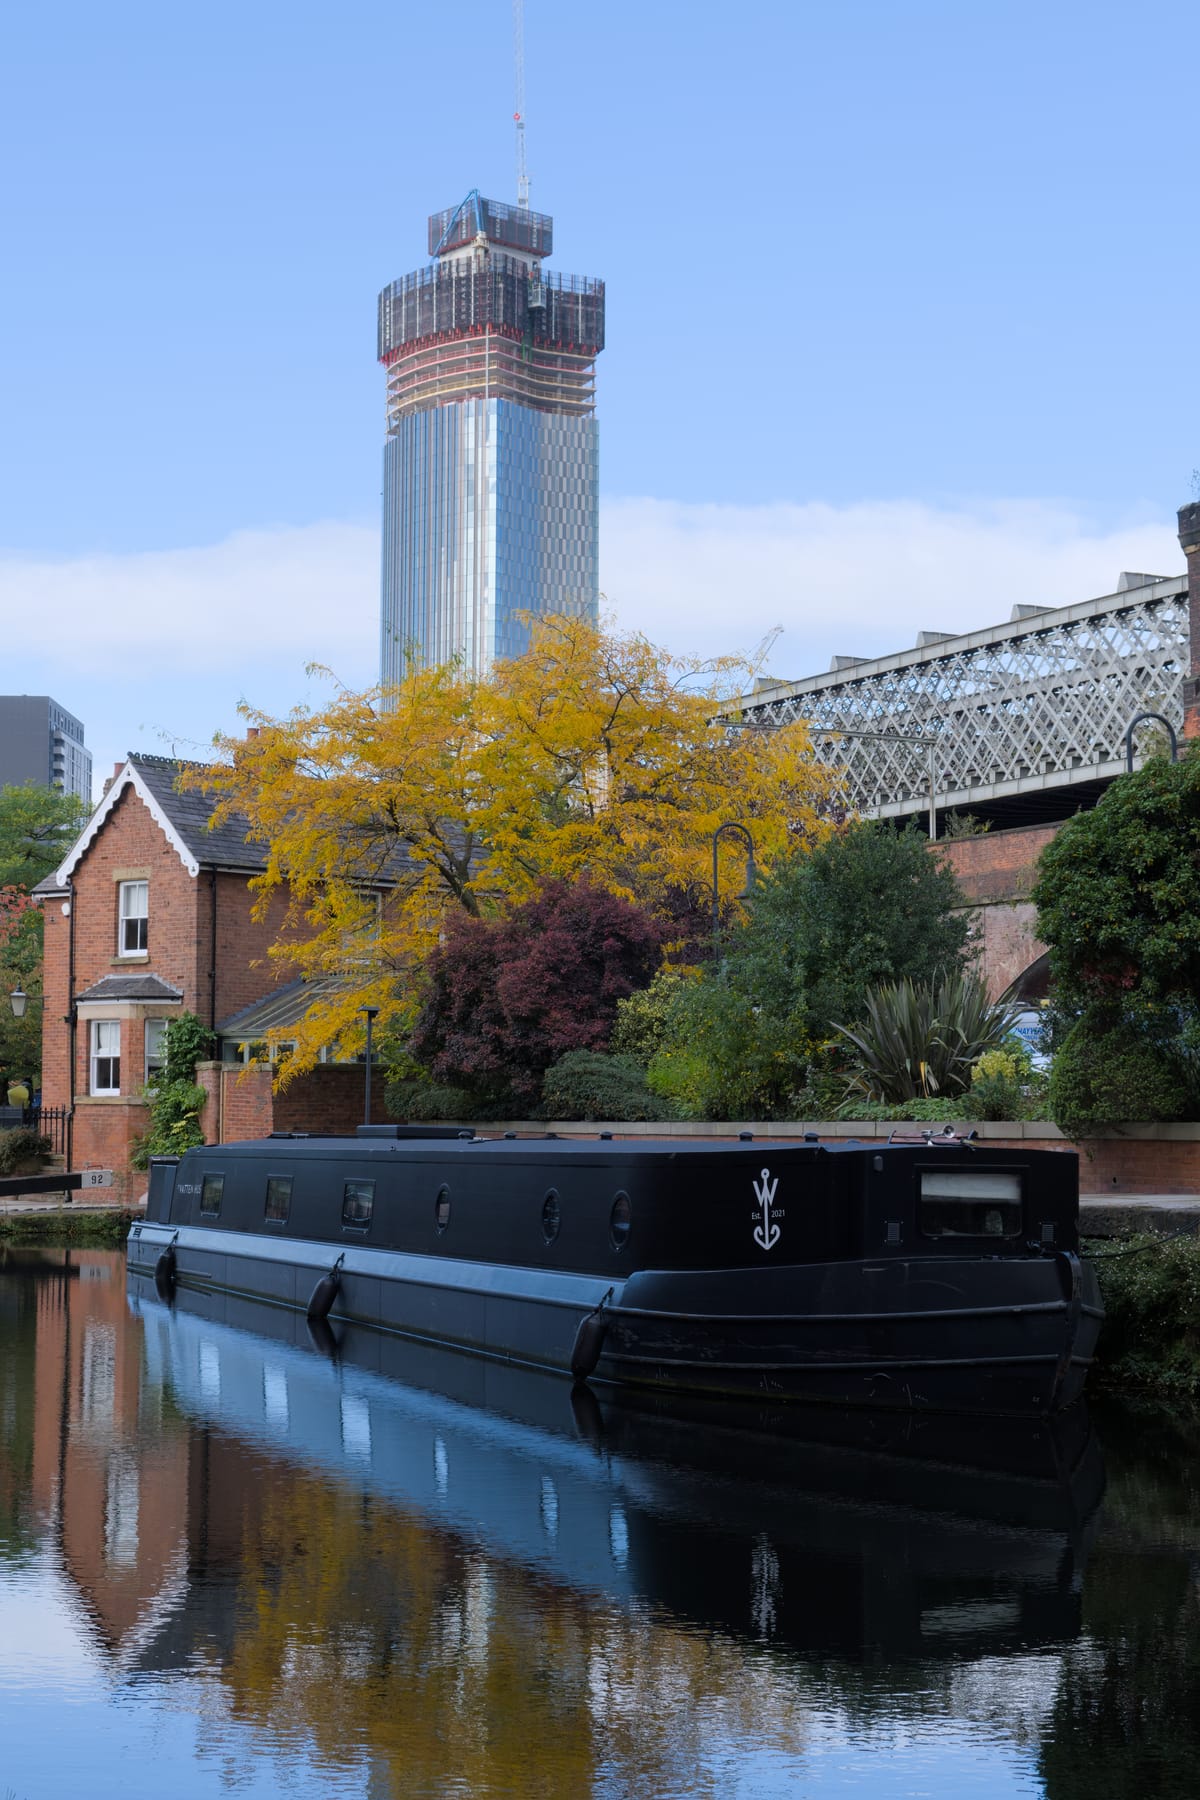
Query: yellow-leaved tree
x=594, y=754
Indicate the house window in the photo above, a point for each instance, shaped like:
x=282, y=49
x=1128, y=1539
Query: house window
x=106, y=1057
x=156, y=1050
x=134, y=910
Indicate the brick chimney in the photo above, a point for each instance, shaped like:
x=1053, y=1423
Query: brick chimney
x=1189, y=538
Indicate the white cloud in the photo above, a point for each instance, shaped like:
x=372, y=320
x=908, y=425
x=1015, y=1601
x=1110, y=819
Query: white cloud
x=857, y=580
x=312, y=591
x=154, y=650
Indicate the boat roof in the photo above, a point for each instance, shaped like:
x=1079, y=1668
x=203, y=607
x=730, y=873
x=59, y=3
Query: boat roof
x=373, y=1142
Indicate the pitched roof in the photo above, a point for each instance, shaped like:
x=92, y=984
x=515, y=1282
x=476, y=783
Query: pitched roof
x=285, y=1007
x=142, y=986
x=182, y=817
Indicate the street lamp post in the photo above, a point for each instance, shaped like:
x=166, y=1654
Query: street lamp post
x=18, y=1001
x=738, y=831
x=1133, y=723
x=372, y=1013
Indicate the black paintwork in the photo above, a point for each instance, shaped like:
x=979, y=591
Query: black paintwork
x=791, y=1270
x=692, y=1207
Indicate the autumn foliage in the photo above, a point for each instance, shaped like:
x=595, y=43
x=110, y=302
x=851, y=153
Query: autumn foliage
x=389, y=816
x=504, y=1000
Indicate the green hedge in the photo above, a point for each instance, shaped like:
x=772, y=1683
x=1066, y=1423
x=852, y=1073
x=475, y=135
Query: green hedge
x=587, y=1084
x=20, y=1147
x=1151, y=1334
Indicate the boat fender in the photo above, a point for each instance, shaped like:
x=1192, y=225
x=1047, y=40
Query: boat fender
x=164, y=1271
x=589, y=1340
x=320, y=1335
x=326, y=1292
x=585, y=1410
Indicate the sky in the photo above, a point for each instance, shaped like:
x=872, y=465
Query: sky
x=900, y=303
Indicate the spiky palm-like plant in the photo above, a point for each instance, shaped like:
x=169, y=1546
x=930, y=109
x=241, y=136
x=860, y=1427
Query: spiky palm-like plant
x=921, y=1039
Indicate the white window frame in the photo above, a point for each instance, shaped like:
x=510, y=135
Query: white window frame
x=101, y=1051
x=154, y=1029
x=133, y=910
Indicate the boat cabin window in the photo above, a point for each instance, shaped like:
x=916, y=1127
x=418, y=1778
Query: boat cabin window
x=441, y=1210
x=970, y=1203
x=279, y=1199
x=358, y=1203
x=551, y=1216
x=619, y=1221
x=211, y=1189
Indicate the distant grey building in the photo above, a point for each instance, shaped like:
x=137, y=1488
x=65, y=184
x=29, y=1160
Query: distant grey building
x=40, y=741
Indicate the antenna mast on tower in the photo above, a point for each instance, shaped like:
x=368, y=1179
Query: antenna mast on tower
x=519, y=115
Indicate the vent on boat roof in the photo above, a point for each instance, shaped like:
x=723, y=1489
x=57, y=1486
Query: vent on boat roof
x=412, y=1131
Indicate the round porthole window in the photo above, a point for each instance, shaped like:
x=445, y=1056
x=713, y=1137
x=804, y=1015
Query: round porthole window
x=619, y=1221
x=441, y=1210
x=551, y=1216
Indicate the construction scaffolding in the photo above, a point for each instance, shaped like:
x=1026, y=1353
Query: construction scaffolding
x=511, y=227
x=495, y=292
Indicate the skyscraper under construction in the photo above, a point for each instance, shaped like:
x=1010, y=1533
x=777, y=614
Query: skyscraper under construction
x=490, y=468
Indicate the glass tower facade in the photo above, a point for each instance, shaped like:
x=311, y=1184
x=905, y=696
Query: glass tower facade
x=490, y=470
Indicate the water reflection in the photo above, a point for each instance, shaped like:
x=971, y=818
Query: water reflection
x=392, y=1570
x=831, y=1535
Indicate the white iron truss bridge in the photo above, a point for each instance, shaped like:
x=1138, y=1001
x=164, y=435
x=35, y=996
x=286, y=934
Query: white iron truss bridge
x=1015, y=722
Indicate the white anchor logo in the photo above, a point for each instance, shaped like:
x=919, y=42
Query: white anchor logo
x=766, y=1235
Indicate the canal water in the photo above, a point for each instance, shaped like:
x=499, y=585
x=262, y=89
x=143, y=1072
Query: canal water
x=235, y=1561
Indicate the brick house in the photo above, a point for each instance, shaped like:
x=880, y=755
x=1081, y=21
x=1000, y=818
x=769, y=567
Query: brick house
x=148, y=917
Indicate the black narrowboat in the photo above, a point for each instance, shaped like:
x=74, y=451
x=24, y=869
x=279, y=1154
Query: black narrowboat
x=932, y=1273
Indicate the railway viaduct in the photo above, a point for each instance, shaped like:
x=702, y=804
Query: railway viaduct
x=1016, y=727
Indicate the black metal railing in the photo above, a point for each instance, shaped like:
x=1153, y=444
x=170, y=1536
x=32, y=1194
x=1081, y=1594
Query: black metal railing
x=47, y=1121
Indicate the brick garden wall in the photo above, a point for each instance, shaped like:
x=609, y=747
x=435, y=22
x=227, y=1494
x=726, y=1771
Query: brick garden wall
x=329, y=1099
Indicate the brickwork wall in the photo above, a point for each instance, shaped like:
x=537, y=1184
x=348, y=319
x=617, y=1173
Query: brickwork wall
x=245, y=971
x=56, y=1005
x=330, y=1099
x=998, y=865
x=996, y=872
x=247, y=1108
x=131, y=846
x=103, y=1135
x=239, y=1103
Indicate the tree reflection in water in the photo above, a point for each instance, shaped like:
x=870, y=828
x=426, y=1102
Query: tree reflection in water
x=470, y=1589
x=1126, y=1717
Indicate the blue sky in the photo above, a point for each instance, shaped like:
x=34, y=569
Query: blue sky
x=900, y=314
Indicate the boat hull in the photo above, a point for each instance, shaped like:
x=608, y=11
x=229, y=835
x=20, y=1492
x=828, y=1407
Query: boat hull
x=999, y=1335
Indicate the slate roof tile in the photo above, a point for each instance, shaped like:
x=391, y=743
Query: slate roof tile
x=143, y=986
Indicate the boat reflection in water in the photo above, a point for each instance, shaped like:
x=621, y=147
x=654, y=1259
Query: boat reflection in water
x=856, y=1535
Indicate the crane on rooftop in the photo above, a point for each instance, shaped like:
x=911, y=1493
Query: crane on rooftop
x=519, y=115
